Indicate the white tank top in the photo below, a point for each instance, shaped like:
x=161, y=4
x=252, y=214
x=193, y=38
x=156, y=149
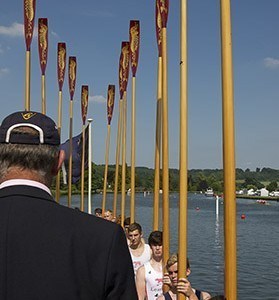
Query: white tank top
x=153, y=282
x=138, y=261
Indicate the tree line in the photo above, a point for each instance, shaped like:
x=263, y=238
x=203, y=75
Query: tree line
x=198, y=179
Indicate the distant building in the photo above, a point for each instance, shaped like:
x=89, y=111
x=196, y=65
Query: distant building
x=274, y=194
x=251, y=192
x=264, y=192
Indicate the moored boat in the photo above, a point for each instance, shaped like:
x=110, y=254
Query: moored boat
x=209, y=192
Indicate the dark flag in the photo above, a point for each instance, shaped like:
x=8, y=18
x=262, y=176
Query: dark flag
x=77, y=150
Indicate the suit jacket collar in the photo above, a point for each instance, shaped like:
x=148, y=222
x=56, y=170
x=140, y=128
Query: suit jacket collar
x=25, y=190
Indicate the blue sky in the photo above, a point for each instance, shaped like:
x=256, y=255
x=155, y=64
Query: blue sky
x=93, y=31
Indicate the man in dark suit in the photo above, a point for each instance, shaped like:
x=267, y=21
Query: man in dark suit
x=48, y=251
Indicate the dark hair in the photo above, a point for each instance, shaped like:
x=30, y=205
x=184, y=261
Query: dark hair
x=135, y=226
x=155, y=238
x=127, y=221
x=218, y=297
x=98, y=210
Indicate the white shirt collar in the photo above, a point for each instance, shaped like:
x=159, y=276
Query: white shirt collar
x=33, y=183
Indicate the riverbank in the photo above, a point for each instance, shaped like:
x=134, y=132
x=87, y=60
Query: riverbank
x=276, y=199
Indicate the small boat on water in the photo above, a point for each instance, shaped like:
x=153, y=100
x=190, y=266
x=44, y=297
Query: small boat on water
x=263, y=202
x=209, y=192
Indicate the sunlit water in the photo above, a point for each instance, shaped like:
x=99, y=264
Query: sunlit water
x=257, y=242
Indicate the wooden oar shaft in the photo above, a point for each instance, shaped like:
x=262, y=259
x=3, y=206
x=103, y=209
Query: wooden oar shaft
x=133, y=148
x=27, y=80
x=70, y=155
x=43, y=84
x=156, y=199
x=89, y=165
x=106, y=171
x=228, y=155
x=165, y=147
x=82, y=170
x=183, y=161
x=123, y=181
x=58, y=176
x=118, y=141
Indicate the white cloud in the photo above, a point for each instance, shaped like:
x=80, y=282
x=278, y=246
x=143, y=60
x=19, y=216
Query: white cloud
x=54, y=34
x=98, y=99
x=4, y=71
x=271, y=63
x=15, y=30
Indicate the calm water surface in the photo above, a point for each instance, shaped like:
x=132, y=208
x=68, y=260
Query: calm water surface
x=257, y=242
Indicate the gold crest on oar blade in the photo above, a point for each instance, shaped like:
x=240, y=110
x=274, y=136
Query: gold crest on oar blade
x=43, y=40
x=134, y=43
x=29, y=11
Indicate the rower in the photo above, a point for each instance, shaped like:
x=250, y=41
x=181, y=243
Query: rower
x=180, y=285
x=149, y=277
x=140, y=252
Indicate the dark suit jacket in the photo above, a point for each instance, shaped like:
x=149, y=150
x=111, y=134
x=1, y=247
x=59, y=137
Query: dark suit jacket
x=48, y=251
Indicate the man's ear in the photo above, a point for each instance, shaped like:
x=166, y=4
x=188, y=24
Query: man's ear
x=188, y=272
x=61, y=158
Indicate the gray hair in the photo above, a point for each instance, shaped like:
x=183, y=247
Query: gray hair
x=40, y=159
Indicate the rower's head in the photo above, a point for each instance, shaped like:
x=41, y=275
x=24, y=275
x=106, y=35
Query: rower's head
x=29, y=147
x=155, y=241
x=127, y=222
x=172, y=268
x=135, y=234
x=108, y=215
x=98, y=212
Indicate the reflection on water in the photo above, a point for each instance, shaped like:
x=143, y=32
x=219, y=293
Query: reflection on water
x=257, y=238
x=217, y=233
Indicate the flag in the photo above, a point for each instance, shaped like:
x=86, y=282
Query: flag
x=76, y=154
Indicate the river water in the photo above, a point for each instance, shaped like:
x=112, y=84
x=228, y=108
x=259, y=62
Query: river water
x=257, y=242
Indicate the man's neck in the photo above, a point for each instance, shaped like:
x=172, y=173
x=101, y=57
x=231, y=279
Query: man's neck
x=157, y=260
x=18, y=173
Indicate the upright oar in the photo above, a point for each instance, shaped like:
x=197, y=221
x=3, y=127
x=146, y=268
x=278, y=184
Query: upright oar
x=43, y=52
x=61, y=67
x=164, y=8
x=228, y=154
x=119, y=135
x=72, y=85
x=29, y=18
x=183, y=161
x=89, y=165
x=110, y=105
x=84, y=106
x=125, y=52
x=156, y=194
x=134, y=34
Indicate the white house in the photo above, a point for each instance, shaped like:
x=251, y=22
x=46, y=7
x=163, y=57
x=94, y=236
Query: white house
x=251, y=192
x=264, y=192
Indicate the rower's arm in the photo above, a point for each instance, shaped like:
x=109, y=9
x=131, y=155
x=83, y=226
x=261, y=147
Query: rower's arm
x=140, y=283
x=206, y=296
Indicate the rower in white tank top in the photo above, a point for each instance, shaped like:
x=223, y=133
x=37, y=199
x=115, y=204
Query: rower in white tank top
x=138, y=261
x=154, y=282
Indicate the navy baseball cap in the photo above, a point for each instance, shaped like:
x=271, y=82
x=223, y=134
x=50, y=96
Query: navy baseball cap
x=47, y=130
